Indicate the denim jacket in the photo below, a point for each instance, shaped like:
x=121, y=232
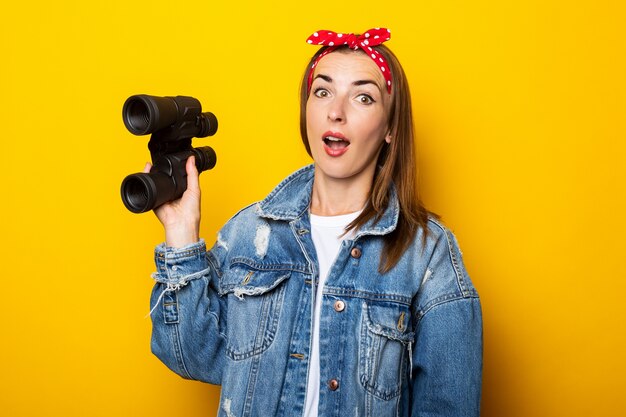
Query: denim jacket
x=404, y=343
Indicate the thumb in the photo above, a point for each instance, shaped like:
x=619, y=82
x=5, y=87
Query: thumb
x=192, y=174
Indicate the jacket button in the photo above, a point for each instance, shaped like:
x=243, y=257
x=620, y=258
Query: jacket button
x=339, y=306
x=355, y=253
x=333, y=384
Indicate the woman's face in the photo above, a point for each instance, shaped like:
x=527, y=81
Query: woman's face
x=347, y=116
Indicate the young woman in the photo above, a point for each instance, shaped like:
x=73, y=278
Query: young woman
x=339, y=294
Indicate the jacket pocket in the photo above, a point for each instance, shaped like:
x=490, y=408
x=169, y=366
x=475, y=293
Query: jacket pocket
x=384, y=348
x=255, y=299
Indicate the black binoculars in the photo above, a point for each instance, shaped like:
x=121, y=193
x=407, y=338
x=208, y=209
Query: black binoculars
x=172, y=121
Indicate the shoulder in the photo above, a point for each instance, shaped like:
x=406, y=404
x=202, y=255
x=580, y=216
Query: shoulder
x=445, y=277
x=285, y=202
x=281, y=195
x=441, y=237
x=442, y=241
x=241, y=227
x=247, y=233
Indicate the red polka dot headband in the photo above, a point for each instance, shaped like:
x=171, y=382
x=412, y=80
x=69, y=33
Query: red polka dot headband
x=365, y=41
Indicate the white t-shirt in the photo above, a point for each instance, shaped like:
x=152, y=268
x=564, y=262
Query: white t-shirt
x=326, y=232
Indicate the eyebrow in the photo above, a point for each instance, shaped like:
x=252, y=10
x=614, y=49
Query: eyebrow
x=356, y=83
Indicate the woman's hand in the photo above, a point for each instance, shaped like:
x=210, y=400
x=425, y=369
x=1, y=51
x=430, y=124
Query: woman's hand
x=181, y=218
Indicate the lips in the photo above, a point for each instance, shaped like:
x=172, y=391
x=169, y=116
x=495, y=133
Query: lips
x=335, y=144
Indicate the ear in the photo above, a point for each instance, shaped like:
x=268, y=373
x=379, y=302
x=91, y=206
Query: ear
x=388, y=138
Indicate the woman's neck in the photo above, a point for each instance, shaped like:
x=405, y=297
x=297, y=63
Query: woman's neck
x=334, y=197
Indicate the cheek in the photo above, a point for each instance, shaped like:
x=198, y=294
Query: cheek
x=373, y=127
x=310, y=125
x=312, y=116
x=311, y=108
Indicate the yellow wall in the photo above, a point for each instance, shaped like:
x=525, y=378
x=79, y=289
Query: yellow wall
x=520, y=108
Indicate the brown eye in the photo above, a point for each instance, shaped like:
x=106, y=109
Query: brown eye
x=321, y=93
x=365, y=99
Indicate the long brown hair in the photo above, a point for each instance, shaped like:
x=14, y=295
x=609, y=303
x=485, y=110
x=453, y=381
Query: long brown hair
x=396, y=165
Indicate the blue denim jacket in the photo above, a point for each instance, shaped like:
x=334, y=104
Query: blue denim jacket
x=406, y=343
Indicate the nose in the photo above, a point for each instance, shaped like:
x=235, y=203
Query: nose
x=337, y=110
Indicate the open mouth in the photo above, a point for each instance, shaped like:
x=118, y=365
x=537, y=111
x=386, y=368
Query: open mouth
x=336, y=143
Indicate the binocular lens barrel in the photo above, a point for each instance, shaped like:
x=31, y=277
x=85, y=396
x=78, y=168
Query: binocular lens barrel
x=137, y=117
x=143, y=114
x=208, y=123
x=138, y=192
x=205, y=158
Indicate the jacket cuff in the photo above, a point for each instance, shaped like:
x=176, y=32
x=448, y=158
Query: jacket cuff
x=177, y=266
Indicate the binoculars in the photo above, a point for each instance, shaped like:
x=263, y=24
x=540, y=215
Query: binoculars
x=172, y=121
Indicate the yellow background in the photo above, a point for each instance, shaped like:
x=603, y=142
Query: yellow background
x=520, y=108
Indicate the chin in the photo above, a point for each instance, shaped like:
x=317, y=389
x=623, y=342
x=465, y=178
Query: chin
x=338, y=170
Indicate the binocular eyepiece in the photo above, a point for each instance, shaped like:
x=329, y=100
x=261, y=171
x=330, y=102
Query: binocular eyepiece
x=172, y=121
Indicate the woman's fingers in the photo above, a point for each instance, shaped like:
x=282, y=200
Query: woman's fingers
x=147, y=168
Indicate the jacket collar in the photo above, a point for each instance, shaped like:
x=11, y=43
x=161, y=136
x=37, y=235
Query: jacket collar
x=291, y=199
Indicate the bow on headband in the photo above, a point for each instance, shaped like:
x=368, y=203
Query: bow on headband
x=365, y=42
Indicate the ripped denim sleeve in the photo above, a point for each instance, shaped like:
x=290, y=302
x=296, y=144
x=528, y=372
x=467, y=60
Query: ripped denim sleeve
x=177, y=266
